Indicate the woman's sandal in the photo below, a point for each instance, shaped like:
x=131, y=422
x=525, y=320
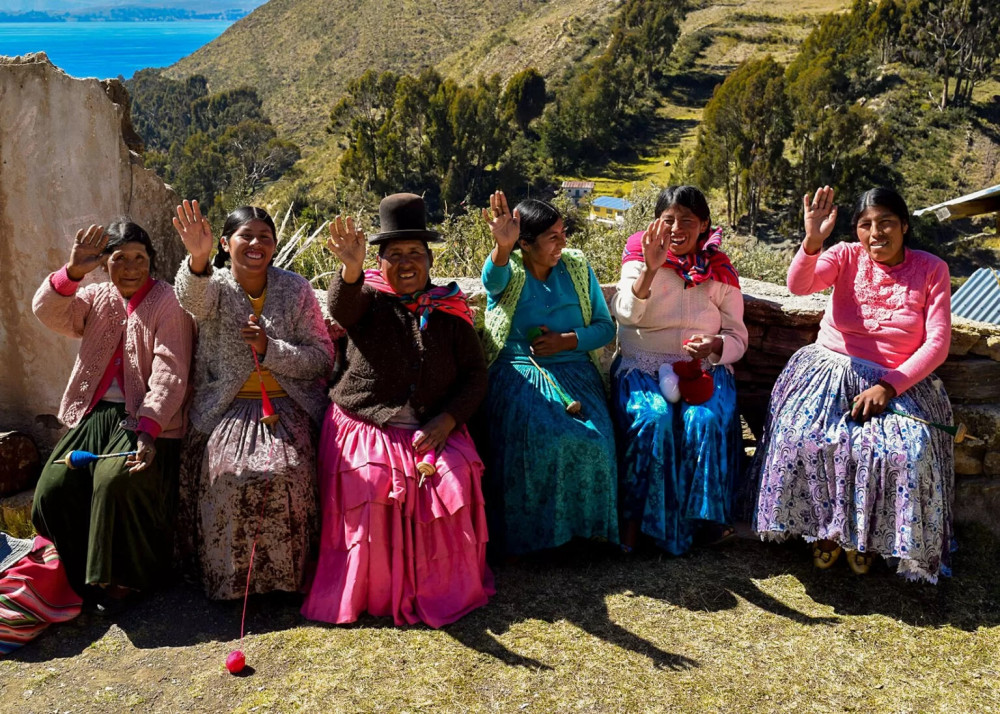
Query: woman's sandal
x=859, y=563
x=824, y=558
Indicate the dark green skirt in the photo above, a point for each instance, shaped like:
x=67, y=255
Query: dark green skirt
x=111, y=527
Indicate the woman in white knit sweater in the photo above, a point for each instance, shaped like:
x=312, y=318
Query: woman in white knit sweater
x=680, y=326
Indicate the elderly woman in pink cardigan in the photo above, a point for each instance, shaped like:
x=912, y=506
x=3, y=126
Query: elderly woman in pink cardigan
x=112, y=521
x=840, y=464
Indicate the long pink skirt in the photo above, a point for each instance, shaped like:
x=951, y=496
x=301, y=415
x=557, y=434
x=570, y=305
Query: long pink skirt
x=389, y=546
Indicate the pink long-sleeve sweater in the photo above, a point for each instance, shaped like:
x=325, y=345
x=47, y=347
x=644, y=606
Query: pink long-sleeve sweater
x=898, y=317
x=157, y=338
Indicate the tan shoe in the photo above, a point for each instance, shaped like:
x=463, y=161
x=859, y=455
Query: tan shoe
x=860, y=563
x=823, y=558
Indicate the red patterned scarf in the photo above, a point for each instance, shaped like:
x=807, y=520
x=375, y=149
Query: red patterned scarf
x=448, y=299
x=706, y=262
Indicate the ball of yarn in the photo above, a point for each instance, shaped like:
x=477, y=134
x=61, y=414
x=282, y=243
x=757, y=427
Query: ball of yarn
x=696, y=386
x=669, y=381
x=235, y=662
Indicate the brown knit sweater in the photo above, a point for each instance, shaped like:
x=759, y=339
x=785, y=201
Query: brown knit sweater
x=389, y=360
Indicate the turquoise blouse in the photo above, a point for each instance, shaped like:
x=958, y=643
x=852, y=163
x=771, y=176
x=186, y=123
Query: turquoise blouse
x=554, y=304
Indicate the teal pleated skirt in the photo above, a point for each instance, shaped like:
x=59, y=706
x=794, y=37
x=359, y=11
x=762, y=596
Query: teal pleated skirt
x=679, y=460
x=552, y=477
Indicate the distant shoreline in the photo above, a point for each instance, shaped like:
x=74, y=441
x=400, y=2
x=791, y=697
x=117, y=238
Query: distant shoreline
x=123, y=15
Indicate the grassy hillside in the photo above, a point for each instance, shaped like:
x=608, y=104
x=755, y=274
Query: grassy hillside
x=715, y=38
x=299, y=54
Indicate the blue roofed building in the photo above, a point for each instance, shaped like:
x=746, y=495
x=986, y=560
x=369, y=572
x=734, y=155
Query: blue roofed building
x=609, y=209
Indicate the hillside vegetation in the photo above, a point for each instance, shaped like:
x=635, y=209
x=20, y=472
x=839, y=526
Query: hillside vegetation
x=300, y=54
x=753, y=101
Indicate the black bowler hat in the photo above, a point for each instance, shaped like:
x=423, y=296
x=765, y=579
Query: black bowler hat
x=402, y=216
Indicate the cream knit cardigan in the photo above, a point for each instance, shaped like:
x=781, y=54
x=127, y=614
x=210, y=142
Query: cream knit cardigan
x=660, y=323
x=299, y=351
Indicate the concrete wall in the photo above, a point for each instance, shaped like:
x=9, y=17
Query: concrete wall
x=63, y=165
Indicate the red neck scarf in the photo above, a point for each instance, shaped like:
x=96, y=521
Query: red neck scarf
x=448, y=299
x=706, y=262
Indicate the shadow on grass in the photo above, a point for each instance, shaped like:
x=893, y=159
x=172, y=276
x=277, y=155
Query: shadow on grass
x=574, y=585
x=175, y=617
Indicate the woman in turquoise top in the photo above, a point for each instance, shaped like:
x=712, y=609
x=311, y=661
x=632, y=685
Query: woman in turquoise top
x=553, y=475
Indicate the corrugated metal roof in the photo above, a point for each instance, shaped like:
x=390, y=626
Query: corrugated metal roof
x=979, y=298
x=974, y=204
x=618, y=204
x=578, y=184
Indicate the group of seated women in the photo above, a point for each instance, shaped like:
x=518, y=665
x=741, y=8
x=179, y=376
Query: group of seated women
x=371, y=496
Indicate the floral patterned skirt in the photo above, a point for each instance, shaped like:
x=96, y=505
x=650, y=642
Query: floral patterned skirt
x=884, y=486
x=552, y=476
x=247, y=475
x=678, y=460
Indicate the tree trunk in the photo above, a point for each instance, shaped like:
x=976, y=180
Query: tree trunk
x=944, y=93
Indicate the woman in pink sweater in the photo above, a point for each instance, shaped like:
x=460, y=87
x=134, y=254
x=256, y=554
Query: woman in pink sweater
x=838, y=465
x=112, y=522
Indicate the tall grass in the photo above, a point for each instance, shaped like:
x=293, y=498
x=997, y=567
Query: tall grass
x=467, y=242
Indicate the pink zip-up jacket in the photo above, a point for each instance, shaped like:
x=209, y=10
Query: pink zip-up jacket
x=158, y=349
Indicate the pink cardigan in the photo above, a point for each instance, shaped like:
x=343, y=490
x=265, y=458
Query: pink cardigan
x=159, y=344
x=898, y=317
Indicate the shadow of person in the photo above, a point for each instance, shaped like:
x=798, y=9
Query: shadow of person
x=174, y=617
x=573, y=590
x=968, y=600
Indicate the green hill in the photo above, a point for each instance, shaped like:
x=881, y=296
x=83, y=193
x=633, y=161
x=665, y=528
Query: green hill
x=299, y=54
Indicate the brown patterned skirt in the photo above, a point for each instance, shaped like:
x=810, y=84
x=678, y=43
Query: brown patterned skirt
x=233, y=475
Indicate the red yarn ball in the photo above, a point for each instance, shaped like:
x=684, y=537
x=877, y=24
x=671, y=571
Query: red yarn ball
x=235, y=662
x=695, y=385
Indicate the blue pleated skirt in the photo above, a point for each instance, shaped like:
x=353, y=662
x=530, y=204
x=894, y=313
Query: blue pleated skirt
x=552, y=476
x=678, y=460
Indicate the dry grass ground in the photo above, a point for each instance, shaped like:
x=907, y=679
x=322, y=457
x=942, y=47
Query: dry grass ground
x=744, y=628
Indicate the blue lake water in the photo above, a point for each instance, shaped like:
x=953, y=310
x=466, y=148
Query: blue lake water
x=109, y=49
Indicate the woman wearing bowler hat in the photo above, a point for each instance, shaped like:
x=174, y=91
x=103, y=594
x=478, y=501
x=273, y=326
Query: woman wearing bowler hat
x=403, y=519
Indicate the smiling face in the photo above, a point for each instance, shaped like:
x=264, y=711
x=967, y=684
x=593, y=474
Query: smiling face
x=547, y=248
x=685, y=229
x=128, y=266
x=251, y=247
x=881, y=232
x=406, y=265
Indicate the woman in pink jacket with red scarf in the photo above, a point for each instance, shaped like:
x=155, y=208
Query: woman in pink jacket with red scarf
x=112, y=521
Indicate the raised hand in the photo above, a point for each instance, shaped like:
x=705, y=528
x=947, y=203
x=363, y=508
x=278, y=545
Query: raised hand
x=819, y=217
x=348, y=244
x=655, y=244
x=195, y=233
x=87, y=253
x=504, y=225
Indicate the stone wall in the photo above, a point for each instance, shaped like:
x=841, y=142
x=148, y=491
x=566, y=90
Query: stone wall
x=64, y=164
